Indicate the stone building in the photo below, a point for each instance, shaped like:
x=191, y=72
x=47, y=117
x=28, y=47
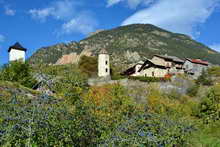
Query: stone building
x=174, y=64
x=103, y=64
x=158, y=66
x=195, y=67
x=147, y=69
x=17, y=52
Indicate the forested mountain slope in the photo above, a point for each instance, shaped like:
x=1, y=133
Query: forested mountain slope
x=129, y=44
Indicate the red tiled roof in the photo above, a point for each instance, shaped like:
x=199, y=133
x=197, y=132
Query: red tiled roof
x=199, y=61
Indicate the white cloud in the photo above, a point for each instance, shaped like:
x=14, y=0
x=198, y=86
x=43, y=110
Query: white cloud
x=2, y=38
x=215, y=47
x=131, y=3
x=113, y=2
x=9, y=11
x=134, y=3
x=41, y=14
x=181, y=16
x=60, y=10
x=83, y=23
x=67, y=12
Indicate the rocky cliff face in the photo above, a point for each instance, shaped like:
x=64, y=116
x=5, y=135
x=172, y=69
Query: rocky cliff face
x=127, y=45
x=51, y=54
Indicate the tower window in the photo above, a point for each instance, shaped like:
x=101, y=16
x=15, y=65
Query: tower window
x=106, y=69
x=106, y=62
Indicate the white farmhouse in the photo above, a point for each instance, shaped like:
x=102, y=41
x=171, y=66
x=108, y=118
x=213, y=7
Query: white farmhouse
x=17, y=52
x=103, y=64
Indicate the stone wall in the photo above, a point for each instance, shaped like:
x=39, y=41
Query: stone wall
x=106, y=80
x=177, y=84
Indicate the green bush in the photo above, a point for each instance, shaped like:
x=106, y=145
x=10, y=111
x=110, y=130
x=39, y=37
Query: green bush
x=192, y=91
x=70, y=80
x=46, y=121
x=19, y=72
x=215, y=71
x=117, y=77
x=174, y=94
x=204, y=79
x=209, y=108
x=150, y=79
x=89, y=65
x=150, y=130
x=206, y=136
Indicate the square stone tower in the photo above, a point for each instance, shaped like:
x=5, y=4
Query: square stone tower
x=103, y=64
x=17, y=52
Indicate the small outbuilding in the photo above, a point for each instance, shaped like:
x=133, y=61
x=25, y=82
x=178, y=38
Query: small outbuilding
x=17, y=52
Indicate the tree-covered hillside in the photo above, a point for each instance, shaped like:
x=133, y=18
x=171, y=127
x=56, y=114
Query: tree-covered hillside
x=129, y=44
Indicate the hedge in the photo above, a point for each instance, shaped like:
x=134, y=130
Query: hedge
x=150, y=79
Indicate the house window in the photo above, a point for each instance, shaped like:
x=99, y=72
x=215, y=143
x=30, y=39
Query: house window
x=106, y=69
x=152, y=74
x=106, y=62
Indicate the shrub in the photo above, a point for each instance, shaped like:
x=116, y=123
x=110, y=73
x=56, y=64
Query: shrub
x=204, y=79
x=193, y=90
x=209, y=108
x=215, y=71
x=128, y=124
x=172, y=103
x=110, y=103
x=18, y=71
x=71, y=81
x=206, y=135
x=150, y=79
x=117, y=77
x=89, y=65
x=150, y=130
x=173, y=94
x=47, y=122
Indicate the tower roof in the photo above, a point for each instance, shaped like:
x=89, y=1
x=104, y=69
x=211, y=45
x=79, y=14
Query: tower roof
x=103, y=51
x=17, y=46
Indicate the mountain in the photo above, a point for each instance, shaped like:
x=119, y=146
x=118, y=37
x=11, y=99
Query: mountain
x=127, y=45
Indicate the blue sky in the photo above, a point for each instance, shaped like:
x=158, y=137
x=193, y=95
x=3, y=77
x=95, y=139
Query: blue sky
x=40, y=23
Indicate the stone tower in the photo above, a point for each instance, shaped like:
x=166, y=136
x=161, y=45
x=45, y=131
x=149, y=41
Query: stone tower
x=17, y=52
x=103, y=64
